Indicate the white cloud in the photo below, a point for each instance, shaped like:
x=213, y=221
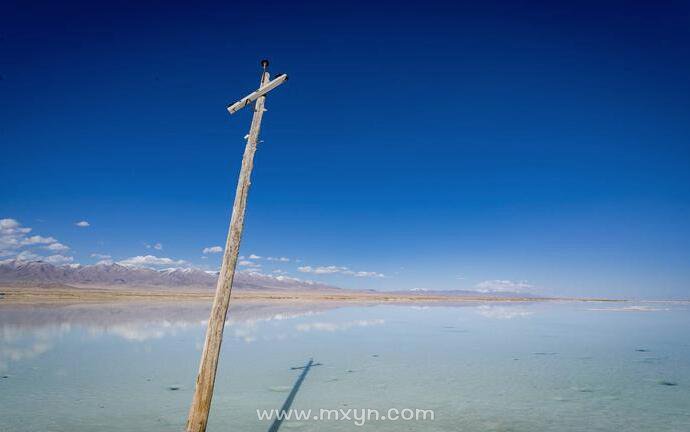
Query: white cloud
x=322, y=269
x=363, y=273
x=82, y=224
x=102, y=258
x=212, y=249
x=284, y=278
x=56, y=247
x=246, y=263
x=15, y=242
x=497, y=285
x=6, y=224
x=150, y=261
x=279, y=259
x=52, y=259
x=337, y=269
x=58, y=259
x=27, y=256
x=37, y=239
x=254, y=257
x=156, y=246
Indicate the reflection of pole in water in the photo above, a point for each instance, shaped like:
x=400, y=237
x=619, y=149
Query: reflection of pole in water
x=288, y=402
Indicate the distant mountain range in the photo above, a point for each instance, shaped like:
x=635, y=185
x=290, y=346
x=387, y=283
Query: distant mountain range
x=117, y=275
x=16, y=271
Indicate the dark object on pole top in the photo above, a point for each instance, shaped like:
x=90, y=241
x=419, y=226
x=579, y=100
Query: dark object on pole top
x=264, y=63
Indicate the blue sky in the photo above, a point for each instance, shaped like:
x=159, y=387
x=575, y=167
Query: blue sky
x=442, y=145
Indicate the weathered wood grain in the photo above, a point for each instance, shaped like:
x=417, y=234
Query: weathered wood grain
x=251, y=97
x=203, y=393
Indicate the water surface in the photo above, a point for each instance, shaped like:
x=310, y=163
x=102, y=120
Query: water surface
x=480, y=367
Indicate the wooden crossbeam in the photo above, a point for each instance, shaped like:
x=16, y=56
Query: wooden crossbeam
x=251, y=97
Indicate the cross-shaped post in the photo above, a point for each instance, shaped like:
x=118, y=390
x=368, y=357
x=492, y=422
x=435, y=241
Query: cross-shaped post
x=203, y=393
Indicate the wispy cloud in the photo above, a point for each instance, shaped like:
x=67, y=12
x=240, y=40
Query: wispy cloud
x=281, y=277
x=321, y=270
x=56, y=247
x=156, y=246
x=247, y=263
x=16, y=242
x=254, y=257
x=363, y=273
x=8, y=225
x=82, y=224
x=212, y=250
x=279, y=259
x=37, y=240
x=498, y=285
x=151, y=261
x=12, y=235
x=102, y=258
x=27, y=256
x=58, y=259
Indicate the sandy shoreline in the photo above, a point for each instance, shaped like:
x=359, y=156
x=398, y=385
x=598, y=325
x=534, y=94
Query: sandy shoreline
x=68, y=294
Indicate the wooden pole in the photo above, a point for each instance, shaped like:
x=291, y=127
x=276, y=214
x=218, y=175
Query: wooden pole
x=205, y=380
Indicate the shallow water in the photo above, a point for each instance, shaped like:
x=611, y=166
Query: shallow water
x=493, y=367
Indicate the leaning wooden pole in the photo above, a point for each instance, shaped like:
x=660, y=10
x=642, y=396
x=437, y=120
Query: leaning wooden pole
x=203, y=393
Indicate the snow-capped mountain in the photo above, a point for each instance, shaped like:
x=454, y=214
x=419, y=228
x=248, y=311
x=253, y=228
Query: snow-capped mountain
x=17, y=271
